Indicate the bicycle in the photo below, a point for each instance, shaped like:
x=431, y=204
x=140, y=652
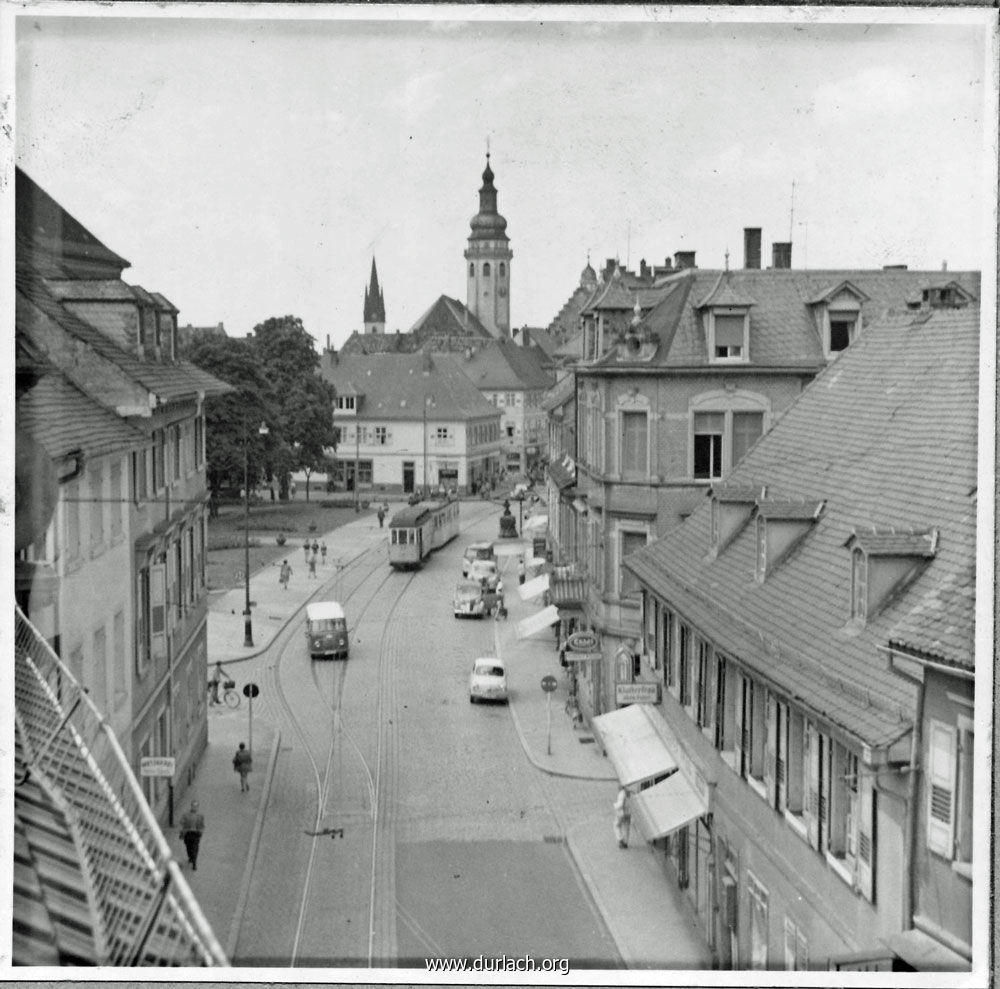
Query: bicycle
x=227, y=694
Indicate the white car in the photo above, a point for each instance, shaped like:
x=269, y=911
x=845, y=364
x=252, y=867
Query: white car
x=468, y=600
x=484, y=569
x=476, y=551
x=488, y=680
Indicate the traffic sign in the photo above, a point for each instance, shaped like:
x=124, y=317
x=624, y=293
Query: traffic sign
x=548, y=684
x=250, y=690
x=157, y=765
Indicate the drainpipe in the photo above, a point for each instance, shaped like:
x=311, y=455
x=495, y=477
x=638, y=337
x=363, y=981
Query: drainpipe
x=909, y=849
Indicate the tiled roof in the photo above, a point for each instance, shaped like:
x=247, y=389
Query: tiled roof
x=448, y=317
x=379, y=343
x=394, y=386
x=560, y=393
x=571, y=349
x=788, y=508
x=890, y=543
x=566, y=321
x=63, y=419
x=96, y=289
x=885, y=437
x=502, y=364
x=722, y=293
x=537, y=337
x=782, y=328
x=169, y=381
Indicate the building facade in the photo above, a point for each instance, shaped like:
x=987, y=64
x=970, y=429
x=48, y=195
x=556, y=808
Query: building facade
x=810, y=629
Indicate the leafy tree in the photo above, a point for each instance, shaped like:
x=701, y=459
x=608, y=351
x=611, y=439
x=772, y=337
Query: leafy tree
x=235, y=418
x=309, y=424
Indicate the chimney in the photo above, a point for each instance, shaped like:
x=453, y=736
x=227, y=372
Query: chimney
x=751, y=247
x=944, y=265
x=781, y=254
x=644, y=272
x=684, y=259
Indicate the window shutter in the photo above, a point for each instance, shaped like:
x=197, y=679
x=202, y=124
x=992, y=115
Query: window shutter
x=738, y=683
x=941, y=763
x=866, y=836
x=770, y=758
x=789, y=946
x=158, y=609
x=729, y=331
x=812, y=790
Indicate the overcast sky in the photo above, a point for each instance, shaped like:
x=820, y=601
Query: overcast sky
x=251, y=168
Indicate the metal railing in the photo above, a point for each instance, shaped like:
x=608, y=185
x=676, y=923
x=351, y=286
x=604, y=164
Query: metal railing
x=146, y=912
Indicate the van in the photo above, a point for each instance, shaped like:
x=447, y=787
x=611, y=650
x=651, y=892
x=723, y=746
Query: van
x=476, y=551
x=326, y=629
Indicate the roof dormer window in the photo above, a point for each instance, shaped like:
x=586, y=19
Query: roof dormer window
x=781, y=525
x=882, y=561
x=728, y=335
x=859, y=584
x=838, y=316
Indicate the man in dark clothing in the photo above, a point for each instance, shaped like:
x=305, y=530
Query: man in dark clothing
x=192, y=826
x=243, y=763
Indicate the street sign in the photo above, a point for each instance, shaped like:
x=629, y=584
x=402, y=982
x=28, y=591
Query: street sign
x=637, y=693
x=157, y=765
x=548, y=684
x=250, y=690
x=582, y=641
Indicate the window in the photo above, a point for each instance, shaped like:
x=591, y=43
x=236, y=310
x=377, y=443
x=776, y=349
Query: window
x=796, y=948
x=510, y=398
x=159, y=456
x=843, y=328
x=684, y=665
x=631, y=542
x=510, y=431
x=634, y=445
x=98, y=683
x=729, y=336
x=757, y=896
x=176, y=438
x=842, y=806
x=667, y=637
x=725, y=706
x=859, y=584
x=140, y=482
x=96, y=509
x=381, y=435
x=364, y=472
x=751, y=711
x=116, y=499
x=345, y=403
x=486, y=269
x=443, y=435
x=71, y=503
x=761, y=547
x=704, y=685
x=472, y=270
x=118, y=672
x=747, y=429
x=708, y=429
x=949, y=789
x=199, y=441
x=788, y=759
x=503, y=269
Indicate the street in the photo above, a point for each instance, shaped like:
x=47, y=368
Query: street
x=404, y=822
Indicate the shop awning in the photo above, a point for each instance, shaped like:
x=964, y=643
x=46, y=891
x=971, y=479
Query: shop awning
x=539, y=622
x=532, y=588
x=925, y=953
x=535, y=525
x=633, y=744
x=667, y=806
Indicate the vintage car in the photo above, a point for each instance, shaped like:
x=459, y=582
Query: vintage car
x=468, y=601
x=488, y=680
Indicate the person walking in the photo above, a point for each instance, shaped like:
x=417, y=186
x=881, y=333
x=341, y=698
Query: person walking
x=192, y=827
x=520, y=569
x=285, y=575
x=243, y=763
x=381, y=516
x=312, y=566
x=322, y=549
x=305, y=549
x=315, y=546
x=623, y=817
x=219, y=676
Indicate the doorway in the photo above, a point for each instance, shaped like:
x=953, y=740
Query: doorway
x=408, y=471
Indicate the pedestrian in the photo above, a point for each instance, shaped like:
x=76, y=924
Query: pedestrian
x=623, y=817
x=312, y=566
x=219, y=676
x=285, y=575
x=243, y=763
x=305, y=549
x=291, y=488
x=322, y=549
x=315, y=546
x=520, y=569
x=192, y=826
x=381, y=516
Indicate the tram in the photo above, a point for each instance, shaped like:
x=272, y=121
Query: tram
x=418, y=530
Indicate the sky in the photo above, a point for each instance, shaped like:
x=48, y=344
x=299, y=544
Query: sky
x=251, y=165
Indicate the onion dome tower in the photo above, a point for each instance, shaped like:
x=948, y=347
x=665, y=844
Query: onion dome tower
x=488, y=262
x=374, y=305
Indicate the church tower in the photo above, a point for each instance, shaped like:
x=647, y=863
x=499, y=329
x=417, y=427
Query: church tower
x=488, y=262
x=374, y=305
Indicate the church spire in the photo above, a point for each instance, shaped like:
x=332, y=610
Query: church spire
x=374, y=305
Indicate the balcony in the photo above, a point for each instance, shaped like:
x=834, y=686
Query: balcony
x=95, y=881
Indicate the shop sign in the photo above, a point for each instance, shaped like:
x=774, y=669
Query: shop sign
x=582, y=641
x=637, y=693
x=157, y=765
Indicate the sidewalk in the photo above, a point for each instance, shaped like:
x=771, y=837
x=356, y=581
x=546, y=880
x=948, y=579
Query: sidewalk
x=647, y=917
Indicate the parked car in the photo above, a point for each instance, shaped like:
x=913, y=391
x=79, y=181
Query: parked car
x=480, y=570
x=488, y=680
x=476, y=551
x=468, y=600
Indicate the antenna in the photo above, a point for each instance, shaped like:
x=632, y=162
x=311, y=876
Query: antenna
x=791, y=214
x=487, y=145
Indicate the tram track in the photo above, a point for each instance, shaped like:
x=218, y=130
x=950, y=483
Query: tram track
x=363, y=580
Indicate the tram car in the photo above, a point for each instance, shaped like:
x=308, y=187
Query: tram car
x=417, y=530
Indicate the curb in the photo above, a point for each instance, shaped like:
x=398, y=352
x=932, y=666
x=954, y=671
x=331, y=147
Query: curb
x=258, y=828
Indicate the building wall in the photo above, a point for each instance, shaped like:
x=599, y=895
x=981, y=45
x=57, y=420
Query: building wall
x=488, y=295
x=943, y=887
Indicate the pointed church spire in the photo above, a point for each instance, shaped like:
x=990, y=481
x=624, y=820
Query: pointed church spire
x=374, y=305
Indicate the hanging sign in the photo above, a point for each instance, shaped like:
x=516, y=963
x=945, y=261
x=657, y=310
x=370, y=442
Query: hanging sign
x=582, y=641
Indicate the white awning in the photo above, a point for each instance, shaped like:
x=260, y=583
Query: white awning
x=512, y=547
x=926, y=954
x=536, y=524
x=532, y=588
x=539, y=622
x=667, y=806
x=633, y=744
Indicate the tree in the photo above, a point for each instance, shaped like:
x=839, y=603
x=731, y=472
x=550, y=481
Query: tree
x=309, y=424
x=235, y=418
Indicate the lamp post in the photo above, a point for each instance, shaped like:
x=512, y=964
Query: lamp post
x=428, y=401
x=247, y=623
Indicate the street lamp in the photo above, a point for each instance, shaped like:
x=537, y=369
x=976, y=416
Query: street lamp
x=247, y=623
x=428, y=402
